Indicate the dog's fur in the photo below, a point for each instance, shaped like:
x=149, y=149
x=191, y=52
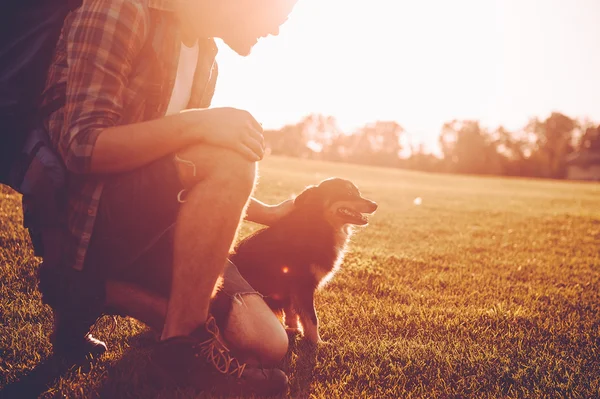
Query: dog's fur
x=288, y=261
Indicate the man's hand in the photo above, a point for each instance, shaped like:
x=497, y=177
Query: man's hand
x=268, y=214
x=280, y=210
x=126, y=147
x=226, y=127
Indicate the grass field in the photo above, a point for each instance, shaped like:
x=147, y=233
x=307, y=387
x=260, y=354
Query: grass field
x=488, y=289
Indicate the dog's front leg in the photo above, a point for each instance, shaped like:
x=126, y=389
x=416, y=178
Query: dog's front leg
x=308, y=316
x=291, y=319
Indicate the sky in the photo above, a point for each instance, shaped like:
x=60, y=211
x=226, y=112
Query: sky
x=421, y=63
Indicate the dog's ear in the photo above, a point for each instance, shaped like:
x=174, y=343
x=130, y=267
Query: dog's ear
x=307, y=197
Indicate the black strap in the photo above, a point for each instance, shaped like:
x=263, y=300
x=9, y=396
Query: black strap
x=36, y=148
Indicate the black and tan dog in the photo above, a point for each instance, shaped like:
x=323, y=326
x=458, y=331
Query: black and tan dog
x=288, y=261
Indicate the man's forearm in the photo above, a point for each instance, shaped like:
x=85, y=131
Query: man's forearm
x=126, y=147
x=259, y=212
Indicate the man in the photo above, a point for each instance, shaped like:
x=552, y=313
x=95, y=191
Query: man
x=155, y=195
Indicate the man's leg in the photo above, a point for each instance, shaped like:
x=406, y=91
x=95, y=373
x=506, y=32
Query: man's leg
x=252, y=329
x=132, y=300
x=138, y=206
x=178, y=251
x=219, y=184
x=205, y=229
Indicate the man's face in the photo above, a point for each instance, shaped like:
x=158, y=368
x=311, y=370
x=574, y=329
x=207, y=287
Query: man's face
x=246, y=21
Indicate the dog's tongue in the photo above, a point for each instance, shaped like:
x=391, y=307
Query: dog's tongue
x=352, y=213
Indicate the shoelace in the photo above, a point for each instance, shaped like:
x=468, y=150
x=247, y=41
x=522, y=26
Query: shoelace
x=94, y=327
x=218, y=354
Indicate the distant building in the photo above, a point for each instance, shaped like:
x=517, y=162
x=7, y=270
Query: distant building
x=584, y=165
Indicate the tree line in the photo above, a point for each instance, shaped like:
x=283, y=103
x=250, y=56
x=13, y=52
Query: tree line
x=541, y=148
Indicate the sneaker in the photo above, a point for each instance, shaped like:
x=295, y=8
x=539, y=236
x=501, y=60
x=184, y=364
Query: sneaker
x=73, y=341
x=203, y=361
x=76, y=300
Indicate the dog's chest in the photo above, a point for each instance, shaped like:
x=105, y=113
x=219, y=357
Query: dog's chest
x=323, y=271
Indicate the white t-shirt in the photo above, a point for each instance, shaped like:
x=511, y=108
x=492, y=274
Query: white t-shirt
x=182, y=90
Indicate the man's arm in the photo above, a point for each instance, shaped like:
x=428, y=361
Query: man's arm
x=126, y=147
x=103, y=41
x=259, y=212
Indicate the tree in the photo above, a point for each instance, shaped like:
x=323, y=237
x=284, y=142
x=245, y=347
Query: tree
x=378, y=144
x=421, y=160
x=554, y=138
x=590, y=141
x=289, y=140
x=310, y=136
x=320, y=132
x=468, y=148
x=514, y=151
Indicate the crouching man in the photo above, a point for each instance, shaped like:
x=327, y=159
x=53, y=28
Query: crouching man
x=155, y=195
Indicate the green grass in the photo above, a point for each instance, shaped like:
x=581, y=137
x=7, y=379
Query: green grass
x=490, y=288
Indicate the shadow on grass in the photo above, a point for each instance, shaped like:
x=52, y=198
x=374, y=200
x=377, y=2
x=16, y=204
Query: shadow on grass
x=43, y=379
x=37, y=381
x=130, y=375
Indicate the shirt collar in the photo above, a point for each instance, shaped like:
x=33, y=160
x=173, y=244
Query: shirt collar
x=171, y=6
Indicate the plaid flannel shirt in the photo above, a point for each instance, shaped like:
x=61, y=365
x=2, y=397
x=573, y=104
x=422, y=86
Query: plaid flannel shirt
x=115, y=64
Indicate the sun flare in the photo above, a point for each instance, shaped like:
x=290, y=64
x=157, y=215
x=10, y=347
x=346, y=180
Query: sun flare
x=421, y=64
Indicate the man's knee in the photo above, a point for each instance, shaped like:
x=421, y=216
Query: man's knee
x=269, y=347
x=274, y=349
x=227, y=166
x=237, y=171
x=254, y=328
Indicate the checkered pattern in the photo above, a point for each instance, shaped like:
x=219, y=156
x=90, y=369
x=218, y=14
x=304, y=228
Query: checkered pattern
x=115, y=63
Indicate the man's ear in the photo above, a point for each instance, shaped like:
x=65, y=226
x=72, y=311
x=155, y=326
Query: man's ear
x=307, y=197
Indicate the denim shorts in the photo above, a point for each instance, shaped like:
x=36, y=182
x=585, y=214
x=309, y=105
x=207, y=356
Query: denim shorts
x=133, y=235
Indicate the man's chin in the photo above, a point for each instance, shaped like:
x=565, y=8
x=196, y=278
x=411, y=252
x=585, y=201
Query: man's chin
x=244, y=49
x=244, y=52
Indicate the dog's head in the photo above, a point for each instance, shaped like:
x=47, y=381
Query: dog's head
x=339, y=201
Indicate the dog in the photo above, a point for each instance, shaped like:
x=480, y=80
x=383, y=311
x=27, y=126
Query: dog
x=289, y=260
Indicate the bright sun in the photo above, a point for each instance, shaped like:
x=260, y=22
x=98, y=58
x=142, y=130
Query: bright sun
x=421, y=63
